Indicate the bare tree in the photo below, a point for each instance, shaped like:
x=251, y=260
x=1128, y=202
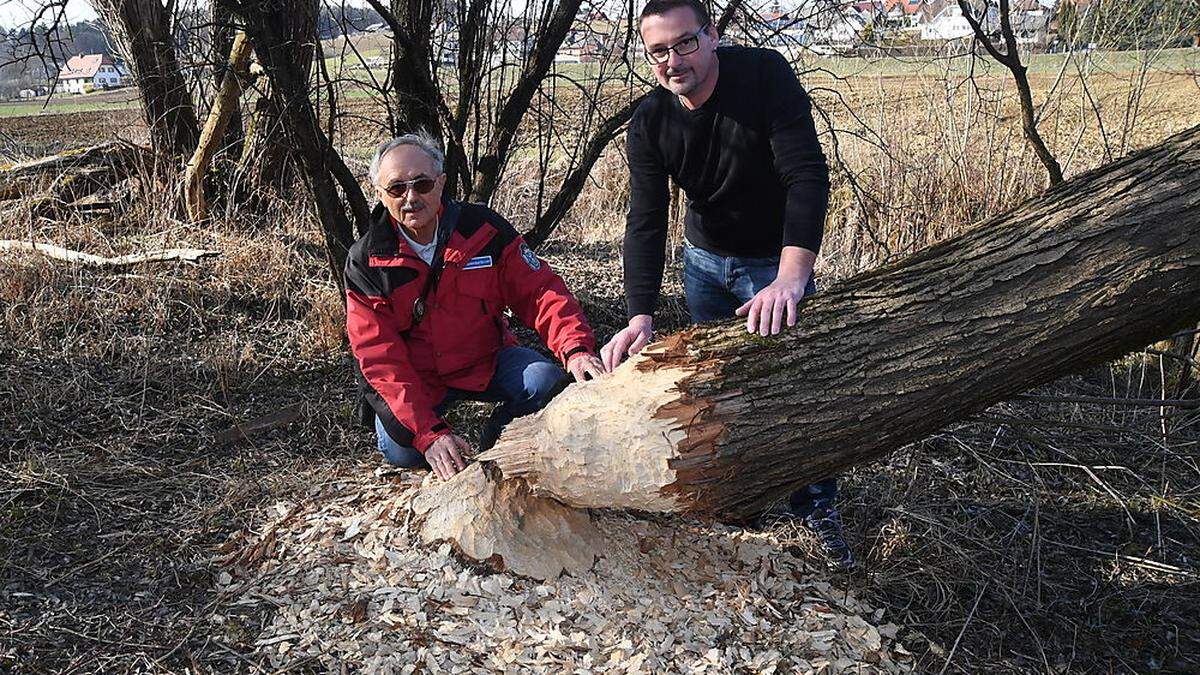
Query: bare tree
x=1011, y=58
x=284, y=35
x=142, y=29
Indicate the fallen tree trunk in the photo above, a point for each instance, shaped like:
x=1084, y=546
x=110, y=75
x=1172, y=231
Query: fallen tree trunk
x=718, y=423
x=96, y=167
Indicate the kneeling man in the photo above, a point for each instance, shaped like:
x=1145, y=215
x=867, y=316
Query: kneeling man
x=426, y=290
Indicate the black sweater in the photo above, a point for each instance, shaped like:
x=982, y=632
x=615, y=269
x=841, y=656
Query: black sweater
x=748, y=160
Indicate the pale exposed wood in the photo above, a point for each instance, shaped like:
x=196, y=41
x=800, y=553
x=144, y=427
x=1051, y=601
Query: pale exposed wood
x=501, y=523
x=90, y=260
x=224, y=106
x=715, y=422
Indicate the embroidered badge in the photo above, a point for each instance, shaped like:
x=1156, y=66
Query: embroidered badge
x=530, y=258
x=478, y=262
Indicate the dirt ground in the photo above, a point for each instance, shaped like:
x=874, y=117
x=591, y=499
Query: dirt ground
x=1040, y=536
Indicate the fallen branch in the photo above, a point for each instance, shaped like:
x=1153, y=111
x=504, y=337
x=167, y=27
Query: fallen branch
x=77, y=172
x=1105, y=400
x=273, y=420
x=89, y=260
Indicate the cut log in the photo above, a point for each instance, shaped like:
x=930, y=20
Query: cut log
x=718, y=423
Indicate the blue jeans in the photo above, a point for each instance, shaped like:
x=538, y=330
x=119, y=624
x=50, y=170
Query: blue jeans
x=524, y=383
x=715, y=287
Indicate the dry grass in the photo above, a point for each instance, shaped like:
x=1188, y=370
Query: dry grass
x=1038, y=536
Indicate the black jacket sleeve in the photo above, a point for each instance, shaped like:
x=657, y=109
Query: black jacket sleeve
x=798, y=158
x=646, y=224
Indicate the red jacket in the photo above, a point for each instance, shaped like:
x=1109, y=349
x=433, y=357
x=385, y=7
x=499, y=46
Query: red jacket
x=488, y=267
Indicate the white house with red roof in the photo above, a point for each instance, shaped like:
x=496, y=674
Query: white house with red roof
x=89, y=72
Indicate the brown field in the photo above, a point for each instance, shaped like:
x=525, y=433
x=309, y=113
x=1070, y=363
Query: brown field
x=1036, y=537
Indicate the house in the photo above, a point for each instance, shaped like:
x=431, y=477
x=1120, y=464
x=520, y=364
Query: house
x=593, y=37
x=581, y=47
x=902, y=14
x=1033, y=23
x=1030, y=20
x=88, y=72
x=950, y=24
x=837, y=31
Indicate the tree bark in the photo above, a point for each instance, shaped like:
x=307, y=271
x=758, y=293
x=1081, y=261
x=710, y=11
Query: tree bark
x=142, y=30
x=718, y=423
x=411, y=69
x=266, y=161
x=283, y=35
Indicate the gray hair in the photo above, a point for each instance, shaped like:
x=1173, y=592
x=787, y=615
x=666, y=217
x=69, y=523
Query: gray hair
x=421, y=138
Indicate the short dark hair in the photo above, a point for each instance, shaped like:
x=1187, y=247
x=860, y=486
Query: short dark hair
x=660, y=7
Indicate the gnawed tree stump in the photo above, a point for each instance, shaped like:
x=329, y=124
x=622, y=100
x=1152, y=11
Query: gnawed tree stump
x=718, y=423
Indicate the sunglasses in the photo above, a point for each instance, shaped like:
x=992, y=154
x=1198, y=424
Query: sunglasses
x=400, y=188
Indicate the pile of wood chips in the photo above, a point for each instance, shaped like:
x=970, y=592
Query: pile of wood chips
x=351, y=588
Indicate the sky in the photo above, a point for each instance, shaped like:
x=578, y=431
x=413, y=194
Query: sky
x=18, y=12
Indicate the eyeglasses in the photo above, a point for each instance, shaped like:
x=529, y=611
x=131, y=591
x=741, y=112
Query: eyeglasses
x=687, y=45
x=400, y=188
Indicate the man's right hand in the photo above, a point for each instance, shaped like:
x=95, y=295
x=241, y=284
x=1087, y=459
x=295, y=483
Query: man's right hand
x=445, y=455
x=628, y=341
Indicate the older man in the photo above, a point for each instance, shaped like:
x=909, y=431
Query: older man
x=426, y=290
x=733, y=127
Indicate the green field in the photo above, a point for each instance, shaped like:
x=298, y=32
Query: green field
x=1172, y=60
x=119, y=99
x=27, y=109
x=348, y=66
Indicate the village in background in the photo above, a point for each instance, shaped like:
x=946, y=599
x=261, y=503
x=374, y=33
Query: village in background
x=78, y=59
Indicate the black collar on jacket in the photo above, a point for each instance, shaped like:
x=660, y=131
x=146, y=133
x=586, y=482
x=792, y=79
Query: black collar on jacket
x=382, y=239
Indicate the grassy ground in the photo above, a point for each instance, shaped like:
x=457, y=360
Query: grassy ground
x=1036, y=537
x=71, y=103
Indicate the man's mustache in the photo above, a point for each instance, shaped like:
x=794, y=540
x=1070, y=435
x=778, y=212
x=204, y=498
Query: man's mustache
x=412, y=207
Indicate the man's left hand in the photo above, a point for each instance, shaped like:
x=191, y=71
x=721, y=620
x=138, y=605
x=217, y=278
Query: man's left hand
x=585, y=366
x=769, y=308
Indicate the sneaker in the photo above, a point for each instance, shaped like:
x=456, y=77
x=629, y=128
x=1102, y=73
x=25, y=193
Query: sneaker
x=827, y=525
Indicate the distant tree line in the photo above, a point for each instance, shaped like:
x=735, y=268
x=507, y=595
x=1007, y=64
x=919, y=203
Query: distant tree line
x=1130, y=24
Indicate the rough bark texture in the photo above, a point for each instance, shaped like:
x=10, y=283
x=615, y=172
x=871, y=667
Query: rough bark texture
x=411, y=69
x=266, y=161
x=1104, y=264
x=143, y=35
